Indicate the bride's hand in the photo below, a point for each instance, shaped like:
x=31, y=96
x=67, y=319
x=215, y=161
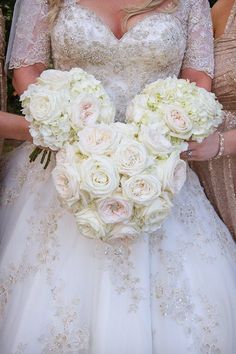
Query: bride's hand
x=206, y=150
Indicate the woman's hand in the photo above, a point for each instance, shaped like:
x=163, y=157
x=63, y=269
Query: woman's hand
x=206, y=150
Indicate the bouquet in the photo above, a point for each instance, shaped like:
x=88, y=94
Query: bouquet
x=60, y=104
x=169, y=112
x=113, y=184
x=119, y=180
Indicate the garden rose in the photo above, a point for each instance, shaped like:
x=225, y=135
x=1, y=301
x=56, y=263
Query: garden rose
x=114, y=209
x=131, y=157
x=85, y=111
x=99, y=176
x=98, y=140
x=142, y=189
x=178, y=122
x=90, y=225
x=172, y=173
x=67, y=183
x=44, y=106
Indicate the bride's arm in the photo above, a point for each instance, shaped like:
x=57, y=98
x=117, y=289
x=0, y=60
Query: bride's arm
x=28, y=55
x=198, y=66
x=24, y=76
x=198, y=62
x=29, y=49
x=201, y=78
x=14, y=127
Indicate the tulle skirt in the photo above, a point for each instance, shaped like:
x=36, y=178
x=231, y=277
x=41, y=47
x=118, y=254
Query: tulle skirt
x=174, y=293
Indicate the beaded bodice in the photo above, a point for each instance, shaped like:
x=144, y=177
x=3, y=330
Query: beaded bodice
x=157, y=46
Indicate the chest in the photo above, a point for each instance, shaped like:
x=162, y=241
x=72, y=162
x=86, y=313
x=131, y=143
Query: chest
x=81, y=35
x=110, y=12
x=120, y=16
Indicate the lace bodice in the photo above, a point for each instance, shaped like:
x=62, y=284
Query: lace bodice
x=157, y=46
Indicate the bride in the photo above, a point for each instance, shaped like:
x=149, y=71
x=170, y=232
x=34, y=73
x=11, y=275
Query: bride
x=62, y=293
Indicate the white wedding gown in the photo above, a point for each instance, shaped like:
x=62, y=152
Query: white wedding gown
x=174, y=293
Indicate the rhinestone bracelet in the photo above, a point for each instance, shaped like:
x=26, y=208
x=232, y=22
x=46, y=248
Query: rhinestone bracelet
x=221, y=146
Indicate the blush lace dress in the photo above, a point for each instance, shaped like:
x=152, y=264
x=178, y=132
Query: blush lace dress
x=174, y=293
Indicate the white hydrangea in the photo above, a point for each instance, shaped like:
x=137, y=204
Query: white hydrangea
x=178, y=110
x=61, y=103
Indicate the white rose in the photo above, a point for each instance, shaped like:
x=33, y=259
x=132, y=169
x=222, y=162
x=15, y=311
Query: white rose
x=99, y=176
x=99, y=139
x=44, y=106
x=67, y=181
x=137, y=109
x=131, y=157
x=68, y=154
x=178, y=122
x=114, y=209
x=129, y=130
x=124, y=230
x=25, y=101
x=152, y=137
x=90, y=225
x=55, y=79
x=85, y=111
x=36, y=135
x=152, y=216
x=142, y=189
x=108, y=111
x=172, y=173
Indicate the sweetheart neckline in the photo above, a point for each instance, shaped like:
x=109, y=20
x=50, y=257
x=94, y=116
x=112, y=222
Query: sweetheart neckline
x=130, y=30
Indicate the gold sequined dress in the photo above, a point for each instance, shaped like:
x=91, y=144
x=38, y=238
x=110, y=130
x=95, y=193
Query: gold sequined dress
x=218, y=177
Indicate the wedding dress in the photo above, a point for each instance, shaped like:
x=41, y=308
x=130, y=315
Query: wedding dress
x=174, y=293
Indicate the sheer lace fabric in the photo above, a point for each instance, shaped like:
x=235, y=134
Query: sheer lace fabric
x=31, y=39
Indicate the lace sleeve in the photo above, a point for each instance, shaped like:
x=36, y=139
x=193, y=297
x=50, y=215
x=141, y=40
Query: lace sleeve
x=199, y=54
x=30, y=40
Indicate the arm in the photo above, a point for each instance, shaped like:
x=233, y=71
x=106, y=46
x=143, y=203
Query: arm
x=28, y=55
x=202, y=79
x=209, y=148
x=14, y=127
x=198, y=67
x=23, y=77
x=198, y=62
x=29, y=49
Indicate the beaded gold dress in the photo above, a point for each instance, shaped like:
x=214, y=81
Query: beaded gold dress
x=218, y=177
x=62, y=293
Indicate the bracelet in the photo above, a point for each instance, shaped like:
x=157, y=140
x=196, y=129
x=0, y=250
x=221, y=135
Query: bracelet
x=221, y=146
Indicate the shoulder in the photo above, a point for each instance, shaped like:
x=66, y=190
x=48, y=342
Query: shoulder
x=194, y=6
x=32, y=3
x=199, y=4
x=31, y=7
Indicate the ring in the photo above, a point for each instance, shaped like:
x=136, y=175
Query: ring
x=189, y=153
